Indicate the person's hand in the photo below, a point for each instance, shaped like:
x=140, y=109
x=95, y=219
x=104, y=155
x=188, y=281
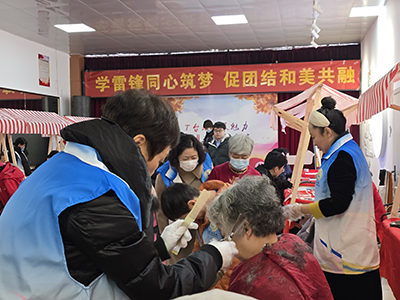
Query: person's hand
x=228, y=251
x=292, y=212
x=177, y=235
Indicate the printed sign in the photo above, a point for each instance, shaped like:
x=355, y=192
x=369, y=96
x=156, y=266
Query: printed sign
x=266, y=78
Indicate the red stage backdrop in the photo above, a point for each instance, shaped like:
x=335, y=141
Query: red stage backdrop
x=266, y=78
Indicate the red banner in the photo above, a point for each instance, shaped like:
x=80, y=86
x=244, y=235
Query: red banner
x=266, y=78
x=14, y=95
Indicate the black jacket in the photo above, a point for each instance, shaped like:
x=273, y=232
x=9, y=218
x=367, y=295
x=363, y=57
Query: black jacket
x=102, y=236
x=23, y=156
x=219, y=154
x=279, y=183
x=208, y=138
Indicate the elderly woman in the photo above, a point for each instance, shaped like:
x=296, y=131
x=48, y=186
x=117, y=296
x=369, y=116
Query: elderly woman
x=240, y=148
x=273, y=267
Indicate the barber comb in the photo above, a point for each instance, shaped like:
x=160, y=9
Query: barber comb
x=238, y=224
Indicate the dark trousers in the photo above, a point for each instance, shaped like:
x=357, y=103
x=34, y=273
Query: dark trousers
x=365, y=286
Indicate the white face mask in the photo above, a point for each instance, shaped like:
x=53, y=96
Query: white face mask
x=189, y=165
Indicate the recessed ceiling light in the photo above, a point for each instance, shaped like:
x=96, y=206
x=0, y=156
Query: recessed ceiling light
x=230, y=19
x=74, y=27
x=365, y=11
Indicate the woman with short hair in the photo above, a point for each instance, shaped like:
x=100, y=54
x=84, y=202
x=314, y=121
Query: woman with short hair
x=274, y=267
x=240, y=148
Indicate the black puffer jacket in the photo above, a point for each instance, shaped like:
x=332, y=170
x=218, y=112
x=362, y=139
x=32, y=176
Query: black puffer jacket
x=102, y=236
x=220, y=154
x=279, y=183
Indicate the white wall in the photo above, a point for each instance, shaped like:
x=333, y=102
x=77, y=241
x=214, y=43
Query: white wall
x=19, y=69
x=380, y=51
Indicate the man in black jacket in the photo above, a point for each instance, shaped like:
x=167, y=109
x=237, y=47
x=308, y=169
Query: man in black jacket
x=95, y=200
x=218, y=148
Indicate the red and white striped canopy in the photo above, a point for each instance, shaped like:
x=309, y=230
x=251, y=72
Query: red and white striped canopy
x=32, y=122
x=10, y=125
x=297, y=105
x=378, y=97
x=75, y=119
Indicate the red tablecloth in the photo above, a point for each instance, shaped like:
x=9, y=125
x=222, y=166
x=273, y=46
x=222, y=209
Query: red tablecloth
x=390, y=255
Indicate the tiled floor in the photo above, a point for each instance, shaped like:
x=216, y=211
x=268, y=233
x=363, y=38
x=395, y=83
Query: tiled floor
x=387, y=292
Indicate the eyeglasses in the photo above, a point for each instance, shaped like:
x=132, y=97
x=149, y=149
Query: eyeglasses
x=219, y=130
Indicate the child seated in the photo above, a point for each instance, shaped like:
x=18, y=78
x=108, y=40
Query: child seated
x=176, y=202
x=178, y=199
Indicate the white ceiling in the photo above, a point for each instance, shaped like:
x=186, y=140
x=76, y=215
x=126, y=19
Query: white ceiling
x=159, y=26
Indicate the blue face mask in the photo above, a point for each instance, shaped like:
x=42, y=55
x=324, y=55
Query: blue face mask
x=239, y=164
x=208, y=130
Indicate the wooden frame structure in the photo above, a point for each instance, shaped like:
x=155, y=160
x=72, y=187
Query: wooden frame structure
x=302, y=126
x=380, y=95
x=313, y=102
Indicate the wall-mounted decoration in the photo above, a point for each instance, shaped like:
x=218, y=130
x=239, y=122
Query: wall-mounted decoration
x=44, y=70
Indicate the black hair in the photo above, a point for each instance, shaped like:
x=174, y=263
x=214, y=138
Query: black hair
x=336, y=118
x=281, y=150
x=219, y=125
x=141, y=112
x=52, y=153
x=187, y=141
x=174, y=200
x=22, y=141
x=275, y=159
x=208, y=124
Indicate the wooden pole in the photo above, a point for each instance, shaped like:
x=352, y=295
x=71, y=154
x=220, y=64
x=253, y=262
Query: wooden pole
x=349, y=109
x=293, y=127
x=10, y=144
x=303, y=145
x=303, y=142
x=58, y=142
x=395, y=106
x=3, y=144
x=389, y=188
x=292, y=121
x=396, y=203
x=50, y=144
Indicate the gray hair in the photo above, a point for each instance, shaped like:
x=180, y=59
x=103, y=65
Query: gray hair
x=255, y=198
x=240, y=144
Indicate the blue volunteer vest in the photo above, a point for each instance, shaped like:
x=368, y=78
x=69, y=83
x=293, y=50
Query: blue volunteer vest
x=346, y=243
x=169, y=173
x=32, y=261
